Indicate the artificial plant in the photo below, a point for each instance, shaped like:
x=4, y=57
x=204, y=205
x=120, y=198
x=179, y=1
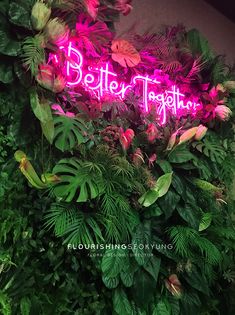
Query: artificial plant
x=77, y=169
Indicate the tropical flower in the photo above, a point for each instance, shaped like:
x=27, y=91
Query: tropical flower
x=124, y=6
x=152, y=133
x=173, y=285
x=40, y=15
x=126, y=138
x=200, y=133
x=49, y=80
x=152, y=159
x=223, y=112
x=57, y=32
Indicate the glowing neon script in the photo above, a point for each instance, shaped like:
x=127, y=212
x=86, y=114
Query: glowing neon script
x=102, y=81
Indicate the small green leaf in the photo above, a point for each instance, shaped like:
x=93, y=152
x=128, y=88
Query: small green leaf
x=163, y=184
x=205, y=221
x=25, y=306
x=110, y=283
x=6, y=73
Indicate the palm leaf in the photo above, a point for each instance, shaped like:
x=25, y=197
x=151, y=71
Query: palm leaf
x=33, y=53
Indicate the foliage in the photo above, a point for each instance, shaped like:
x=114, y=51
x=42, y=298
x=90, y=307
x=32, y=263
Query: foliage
x=154, y=205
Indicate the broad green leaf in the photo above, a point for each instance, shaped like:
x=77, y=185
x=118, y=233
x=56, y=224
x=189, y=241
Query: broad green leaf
x=165, y=166
x=144, y=288
x=180, y=155
x=48, y=130
x=110, y=283
x=160, y=189
x=153, y=267
x=70, y=132
x=163, y=184
x=148, y=198
x=77, y=180
x=168, y=203
x=127, y=278
x=140, y=239
x=197, y=280
x=190, y=214
x=20, y=12
x=121, y=304
x=9, y=45
x=153, y=211
x=6, y=72
x=40, y=109
x=162, y=308
x=113, y=262
x=205, y=221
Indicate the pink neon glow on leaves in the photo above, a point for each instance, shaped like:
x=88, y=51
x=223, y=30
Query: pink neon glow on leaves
x=102, y=82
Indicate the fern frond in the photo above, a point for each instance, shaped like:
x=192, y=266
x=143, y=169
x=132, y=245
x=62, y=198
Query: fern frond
x=186, y=240
x=33, y=53
x=72, y=224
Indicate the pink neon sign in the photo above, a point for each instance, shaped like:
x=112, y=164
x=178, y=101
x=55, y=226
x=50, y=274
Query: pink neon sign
x=102, y=81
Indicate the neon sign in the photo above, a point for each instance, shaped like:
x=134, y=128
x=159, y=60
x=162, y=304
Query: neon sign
x=102, y=81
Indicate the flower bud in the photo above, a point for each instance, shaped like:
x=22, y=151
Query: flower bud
x=40, y=15
x=188, y=135
x=200, y=133
x=57, y=32
x=223, y=112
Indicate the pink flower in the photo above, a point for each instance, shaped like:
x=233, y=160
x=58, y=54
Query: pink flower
x=124, y=6
x=223, y=112
x=151, y=132
x=126, y=138
x=152, y=159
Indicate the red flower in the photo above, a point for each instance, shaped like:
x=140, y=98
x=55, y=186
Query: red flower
x=151, y=132
x=126, y=138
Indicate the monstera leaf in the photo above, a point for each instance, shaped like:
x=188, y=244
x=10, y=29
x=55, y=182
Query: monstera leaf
x=78, y=180
x=70, y=132
x=125, y=53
